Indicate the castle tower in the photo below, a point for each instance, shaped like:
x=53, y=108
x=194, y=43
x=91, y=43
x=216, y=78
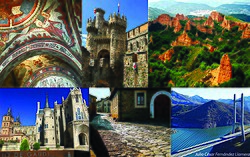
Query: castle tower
x=18, y=121
x=58, y=124
x=49, y=125
x=118, y=27
x=99, y=19
x=92, y=31
x=7, y=123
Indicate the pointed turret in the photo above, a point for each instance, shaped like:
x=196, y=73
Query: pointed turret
x=18, y=118
x=9, y=112
x=38, y=107
x=47, y=102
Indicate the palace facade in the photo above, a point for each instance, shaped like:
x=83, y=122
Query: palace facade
x=66, y=124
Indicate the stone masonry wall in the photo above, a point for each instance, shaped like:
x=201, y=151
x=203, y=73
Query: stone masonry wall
x=114, y=106
x=138, y=77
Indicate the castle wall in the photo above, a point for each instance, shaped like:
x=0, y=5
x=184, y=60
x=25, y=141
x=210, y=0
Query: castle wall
x=136, y=77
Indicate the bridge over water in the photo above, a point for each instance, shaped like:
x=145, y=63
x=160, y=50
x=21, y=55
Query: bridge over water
x=208, y=144
x=216, y=141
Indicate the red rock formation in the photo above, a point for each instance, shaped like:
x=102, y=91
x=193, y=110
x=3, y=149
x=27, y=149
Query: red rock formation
x=216, y=16
x=243, y=26
x=184, y=40
x=227, y=24
x=198, y=18
x=166, y=55
x=204, y=29
x=181, y=17
x=210, y=47
x=225, y=70
x=176, y=24
x=209, y=22
x=246, y=33
x=164, y=19
x=188, y=26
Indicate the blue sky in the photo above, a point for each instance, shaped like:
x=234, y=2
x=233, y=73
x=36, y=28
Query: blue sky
x=214, y=93
x=136, y=11
x=23, y=101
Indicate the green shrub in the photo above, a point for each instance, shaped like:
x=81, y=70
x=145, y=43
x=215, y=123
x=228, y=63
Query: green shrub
x=47, y=148
x=24, y=145
x=1, y=143
x=57, y=145
x=36, y=146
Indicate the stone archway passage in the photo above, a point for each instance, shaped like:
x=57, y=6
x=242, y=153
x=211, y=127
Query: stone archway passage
x=82, y=139
x=152, y=105
x=104, y=54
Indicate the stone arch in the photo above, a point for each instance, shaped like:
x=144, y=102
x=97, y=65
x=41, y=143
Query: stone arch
x=53, y=48
x=104, y=53
x=82, y=139
x=83, y=134
x=162, y=92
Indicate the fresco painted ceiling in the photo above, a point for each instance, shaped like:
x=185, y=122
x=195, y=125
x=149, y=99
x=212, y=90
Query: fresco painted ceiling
x=31, y=71
x=31, y=28
x=55, y=81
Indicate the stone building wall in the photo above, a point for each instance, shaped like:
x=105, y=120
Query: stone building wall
x=136, y=77
x=126, y=107
x=114, y=107
x=137, y=45
x=137, y=38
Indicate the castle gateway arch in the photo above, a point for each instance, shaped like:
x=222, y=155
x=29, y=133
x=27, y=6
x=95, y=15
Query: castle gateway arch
x=40, y=44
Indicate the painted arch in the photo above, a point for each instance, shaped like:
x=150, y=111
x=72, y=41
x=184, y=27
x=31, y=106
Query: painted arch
x=37, y=48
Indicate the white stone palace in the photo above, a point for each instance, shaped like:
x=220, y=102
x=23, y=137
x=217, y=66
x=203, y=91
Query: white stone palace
x=65, y=125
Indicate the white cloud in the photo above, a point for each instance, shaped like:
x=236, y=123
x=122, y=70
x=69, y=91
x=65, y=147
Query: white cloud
x=99, y=92
x=84, y=37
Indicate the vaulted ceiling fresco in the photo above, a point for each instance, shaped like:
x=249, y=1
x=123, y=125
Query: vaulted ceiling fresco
x=40, y=39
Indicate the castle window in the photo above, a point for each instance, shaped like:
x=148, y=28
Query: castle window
x=146, y=41
x=82, y=115
x=140, y=99
x=77, y=99
x=131, y=47
x=137, y=44
x=134, y=57
x=46, y=140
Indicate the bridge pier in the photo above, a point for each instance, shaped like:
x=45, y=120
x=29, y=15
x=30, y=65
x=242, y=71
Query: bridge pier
x=242, y=117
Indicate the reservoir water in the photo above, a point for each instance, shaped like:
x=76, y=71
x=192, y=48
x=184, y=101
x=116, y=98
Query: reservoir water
x=187, y=137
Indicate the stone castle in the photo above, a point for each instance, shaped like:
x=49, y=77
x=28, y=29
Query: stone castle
x=107, y=43
x=66, y=124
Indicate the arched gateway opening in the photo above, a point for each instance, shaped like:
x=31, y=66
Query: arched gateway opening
x=160, y=106
x=82, y=139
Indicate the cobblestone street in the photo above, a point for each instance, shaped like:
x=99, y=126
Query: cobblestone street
x=133, y=139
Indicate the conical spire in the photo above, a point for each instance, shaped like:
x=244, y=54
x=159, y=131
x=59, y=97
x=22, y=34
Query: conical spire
x=18, y=118
x=9, y=112
x=47, y=102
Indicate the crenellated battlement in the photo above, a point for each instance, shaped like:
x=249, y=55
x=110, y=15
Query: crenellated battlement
x=118, y=20
x=91, y=25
